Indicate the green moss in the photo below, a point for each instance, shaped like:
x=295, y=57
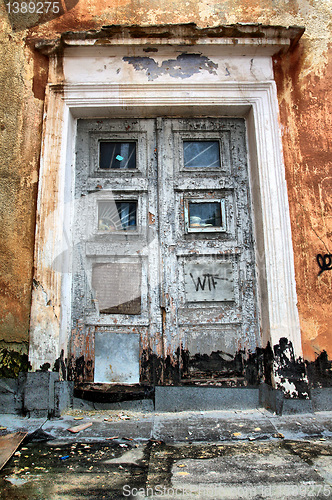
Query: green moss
x=12, y=363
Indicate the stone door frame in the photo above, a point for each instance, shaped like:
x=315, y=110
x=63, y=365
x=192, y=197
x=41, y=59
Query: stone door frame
x=256, y=101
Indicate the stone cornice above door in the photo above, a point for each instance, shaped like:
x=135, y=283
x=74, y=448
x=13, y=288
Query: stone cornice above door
x=235, y=38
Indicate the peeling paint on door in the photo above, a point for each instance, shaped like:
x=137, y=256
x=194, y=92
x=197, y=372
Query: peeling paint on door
x=197, y=289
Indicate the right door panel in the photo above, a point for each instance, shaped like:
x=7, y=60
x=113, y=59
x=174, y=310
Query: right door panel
x=207, y=245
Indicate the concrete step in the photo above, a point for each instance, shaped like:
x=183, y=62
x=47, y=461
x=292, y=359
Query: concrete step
x=186, y=398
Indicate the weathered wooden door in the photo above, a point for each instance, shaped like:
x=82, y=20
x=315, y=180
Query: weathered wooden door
x=208, y=282
x=163, y=255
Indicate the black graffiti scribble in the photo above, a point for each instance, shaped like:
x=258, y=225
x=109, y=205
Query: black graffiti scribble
x=209, y=279
x=324, y=262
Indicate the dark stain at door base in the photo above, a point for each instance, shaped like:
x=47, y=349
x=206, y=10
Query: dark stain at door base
x=106, y=393
x=289, y=369
x=218, y=369
x=80, y=369
x=158, y=371
x=222, y=369
x=60, y=366
x=320, y=371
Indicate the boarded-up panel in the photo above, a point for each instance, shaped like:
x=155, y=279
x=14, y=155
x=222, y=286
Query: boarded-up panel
x=117, y=287
x=116, y=358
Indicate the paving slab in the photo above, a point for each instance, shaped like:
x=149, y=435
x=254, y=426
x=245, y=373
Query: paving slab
x=212, y=426
x=134, y=427
x=305, y=426
x=15, y=423
x=205, y=426
x=71, y=471
x=241, y=470
x=231, y=469
x=170, y=399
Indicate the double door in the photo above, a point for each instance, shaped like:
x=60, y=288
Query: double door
x=163, y=262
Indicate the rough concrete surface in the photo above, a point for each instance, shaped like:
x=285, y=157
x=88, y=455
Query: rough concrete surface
x=209, y=455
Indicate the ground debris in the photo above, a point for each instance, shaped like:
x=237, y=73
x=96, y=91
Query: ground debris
x=39, y=436
x=78, y=428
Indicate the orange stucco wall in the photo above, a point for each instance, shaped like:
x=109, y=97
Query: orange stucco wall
x=304, y=91
x=305, y=113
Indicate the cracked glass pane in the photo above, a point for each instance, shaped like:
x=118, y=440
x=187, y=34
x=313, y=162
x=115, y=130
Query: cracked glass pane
x=117, y=155
x=201, y=154
x=117, y=215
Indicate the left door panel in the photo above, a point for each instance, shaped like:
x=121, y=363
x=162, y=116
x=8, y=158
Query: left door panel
x=115, y=292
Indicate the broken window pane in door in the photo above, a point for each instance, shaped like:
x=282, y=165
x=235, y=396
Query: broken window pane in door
x=205, y=215
x=117, y=155
x=201, y=154
x=117, y=215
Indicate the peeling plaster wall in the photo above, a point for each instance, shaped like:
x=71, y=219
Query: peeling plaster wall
x=304, y=90
x=22, y=81
x=306, y=110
